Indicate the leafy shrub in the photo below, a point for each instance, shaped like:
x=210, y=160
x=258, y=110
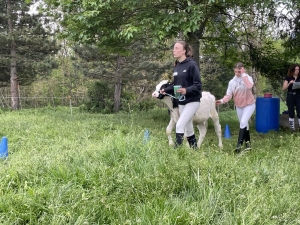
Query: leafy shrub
x=134, y=105
x=100, y=98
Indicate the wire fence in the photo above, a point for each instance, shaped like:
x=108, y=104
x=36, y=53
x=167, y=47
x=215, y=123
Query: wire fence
x=75, y=101
x=26, y=102
x=27, y=98
x=38, y=102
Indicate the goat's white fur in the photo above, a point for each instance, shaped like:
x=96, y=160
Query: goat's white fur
x=206, y=110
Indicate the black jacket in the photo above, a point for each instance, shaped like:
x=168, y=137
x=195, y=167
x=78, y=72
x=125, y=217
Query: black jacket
x=187, y=74
x=290, y=87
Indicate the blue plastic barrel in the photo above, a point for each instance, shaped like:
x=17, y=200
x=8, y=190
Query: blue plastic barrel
x=267, y=114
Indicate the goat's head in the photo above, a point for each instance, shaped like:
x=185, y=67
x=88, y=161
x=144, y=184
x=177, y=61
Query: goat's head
x=163, y=84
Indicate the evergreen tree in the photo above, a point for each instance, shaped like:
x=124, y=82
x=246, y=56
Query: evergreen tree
x=136, y=72
x=25, y=46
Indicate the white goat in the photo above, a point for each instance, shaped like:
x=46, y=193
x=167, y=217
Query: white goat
x=207, y=109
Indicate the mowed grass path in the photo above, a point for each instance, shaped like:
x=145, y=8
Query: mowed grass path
x=95, y=169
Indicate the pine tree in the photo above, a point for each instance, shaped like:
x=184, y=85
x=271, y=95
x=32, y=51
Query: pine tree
x=25, y=46
x=140, y=69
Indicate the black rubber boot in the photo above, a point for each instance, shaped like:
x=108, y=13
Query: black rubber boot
x=247, y=141
x=241, y=139
x=192, y=141
x=179, y=138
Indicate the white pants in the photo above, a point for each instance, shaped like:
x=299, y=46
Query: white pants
x=185, y=121
x=244, y=115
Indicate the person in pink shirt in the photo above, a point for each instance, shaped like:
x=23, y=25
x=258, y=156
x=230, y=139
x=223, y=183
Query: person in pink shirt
x=240, y=88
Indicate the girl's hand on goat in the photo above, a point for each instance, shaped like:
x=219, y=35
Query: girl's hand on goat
x=218, y=102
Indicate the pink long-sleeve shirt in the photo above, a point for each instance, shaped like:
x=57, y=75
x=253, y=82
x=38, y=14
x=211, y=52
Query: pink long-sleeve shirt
x=241, y=90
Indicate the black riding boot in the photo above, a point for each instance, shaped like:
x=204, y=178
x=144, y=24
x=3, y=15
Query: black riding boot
x=179, y=138
x=192, y=141
x=241, y=138
x=247, y=141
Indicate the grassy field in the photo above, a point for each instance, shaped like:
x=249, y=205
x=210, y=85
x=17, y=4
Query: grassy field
x=85, y=168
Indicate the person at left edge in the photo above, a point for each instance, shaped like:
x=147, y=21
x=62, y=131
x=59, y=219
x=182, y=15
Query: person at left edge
x=186, y=73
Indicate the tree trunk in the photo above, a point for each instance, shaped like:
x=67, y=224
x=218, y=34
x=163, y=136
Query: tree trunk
x=253, y=42
x=194, y=42
x=255, y=77
x=118, y=85
x=13, y=63
x=14, y=81
x=194, y=37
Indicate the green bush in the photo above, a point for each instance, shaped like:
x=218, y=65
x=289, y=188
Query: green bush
x=133, y=105
x=100, y=98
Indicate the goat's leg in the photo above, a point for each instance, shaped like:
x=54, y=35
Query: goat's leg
x=202, y=127
x=218, y=130
x=169, y=130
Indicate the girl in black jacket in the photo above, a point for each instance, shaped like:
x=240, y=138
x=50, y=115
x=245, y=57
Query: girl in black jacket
x=187, y=75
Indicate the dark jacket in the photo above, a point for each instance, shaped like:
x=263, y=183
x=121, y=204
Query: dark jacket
x=290, y=87
x=187, y=74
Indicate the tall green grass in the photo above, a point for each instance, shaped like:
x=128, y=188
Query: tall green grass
x=95, y=169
